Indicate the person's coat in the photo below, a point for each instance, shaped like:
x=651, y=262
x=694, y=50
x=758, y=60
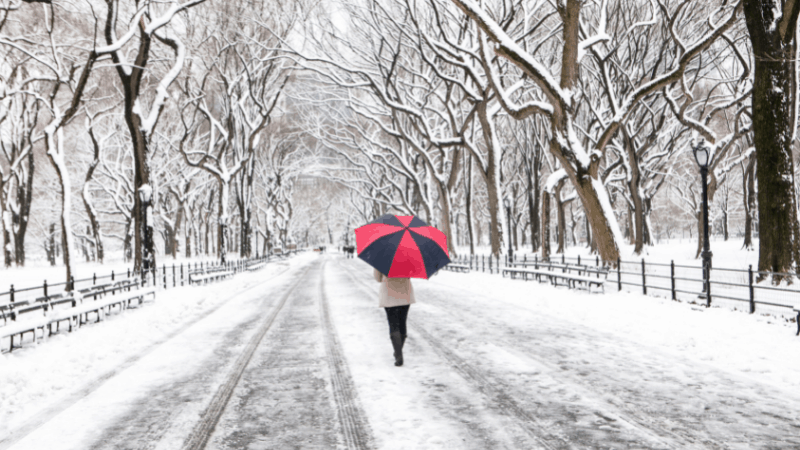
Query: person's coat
x=394, y=291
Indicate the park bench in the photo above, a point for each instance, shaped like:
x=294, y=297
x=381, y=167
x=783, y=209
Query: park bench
x=571, y=275
x=257, y=266
x=542, y=264
x=205, y=275
x=572, y=279
x=457, y=268
x=24, y=317
x=537, y=274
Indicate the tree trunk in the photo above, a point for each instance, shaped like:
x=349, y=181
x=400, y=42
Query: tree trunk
x=491, y=176
x=774, y=122
x=533, y=206
x=470, y=228
x=444, y=197
x=56, y=154
x=5, y=224
x=222, y=220
x=725, y=224
x=188, y=244
x=51, y=245
x=126, y=245
x=561, y=218
x=749, y=198
x=85, y=248
x=631, y=233
x=647, y=236
x=169, y=239
x=545, y=225
x=145, y=251
x=25, y=198
x=87, y=200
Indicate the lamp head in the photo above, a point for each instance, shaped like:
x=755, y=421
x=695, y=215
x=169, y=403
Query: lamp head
x=701, y=154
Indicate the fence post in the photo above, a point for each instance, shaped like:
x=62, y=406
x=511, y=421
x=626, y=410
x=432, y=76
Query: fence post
x=173, y=274
x=94, y=278
x=112, y=275
x=644, y=280
x=752, y=296
x=597, y=261
x=490, y=264
x=536, y=262
x=129, y=273
x=619, y=274
x=672, y=276
x=579, y=260
x=44, y=286
x=181, y=274
x=11, y=291
x=562, y=259
x=164, y=272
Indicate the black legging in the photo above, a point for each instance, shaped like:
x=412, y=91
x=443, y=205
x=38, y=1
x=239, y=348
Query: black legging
x=397, y=318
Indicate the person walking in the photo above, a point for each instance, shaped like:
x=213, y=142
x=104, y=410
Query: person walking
x=396, y=296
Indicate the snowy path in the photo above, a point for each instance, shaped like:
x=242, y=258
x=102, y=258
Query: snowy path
x=306, y=363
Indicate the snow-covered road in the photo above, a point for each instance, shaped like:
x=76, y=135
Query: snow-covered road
x=304, y=361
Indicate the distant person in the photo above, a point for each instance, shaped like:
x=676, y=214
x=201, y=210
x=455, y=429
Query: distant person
x=396, y=296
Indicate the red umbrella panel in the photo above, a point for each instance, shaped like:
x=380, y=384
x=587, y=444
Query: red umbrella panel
x=402, y=246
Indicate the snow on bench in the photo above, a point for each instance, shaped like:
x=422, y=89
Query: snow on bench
x=537, y=273
x=565, y=275
x=254, y=267
x=205, y=276
x=457, y=268
x=26, y=317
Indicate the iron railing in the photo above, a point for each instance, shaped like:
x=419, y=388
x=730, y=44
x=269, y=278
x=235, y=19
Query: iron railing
x=738, y=288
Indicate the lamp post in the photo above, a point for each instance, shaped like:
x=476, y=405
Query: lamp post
x=701, y=155
x=507, y=204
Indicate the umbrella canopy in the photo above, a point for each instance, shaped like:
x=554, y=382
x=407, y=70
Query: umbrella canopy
x=402, y=246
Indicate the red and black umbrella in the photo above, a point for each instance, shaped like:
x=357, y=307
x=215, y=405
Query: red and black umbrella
x=402, y=246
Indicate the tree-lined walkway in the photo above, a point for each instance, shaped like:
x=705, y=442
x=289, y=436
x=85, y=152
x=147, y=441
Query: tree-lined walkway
x=307, y=364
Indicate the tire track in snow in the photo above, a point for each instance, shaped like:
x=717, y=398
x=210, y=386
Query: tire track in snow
x=351, y=417
x=202, y=431
x=41, y=418
x=658, y=428
x=498, y=397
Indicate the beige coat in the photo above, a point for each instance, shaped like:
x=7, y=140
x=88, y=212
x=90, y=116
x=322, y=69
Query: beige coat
x=394, y=291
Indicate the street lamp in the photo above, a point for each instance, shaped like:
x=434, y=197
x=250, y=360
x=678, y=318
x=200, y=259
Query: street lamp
x=701, y=155
x=507, y=204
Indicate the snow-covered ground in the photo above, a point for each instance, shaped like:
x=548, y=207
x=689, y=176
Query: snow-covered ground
x=726, y=254
x=303, y=360
x=65, y=365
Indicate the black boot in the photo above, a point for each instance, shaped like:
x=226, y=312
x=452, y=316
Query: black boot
x=397, y=343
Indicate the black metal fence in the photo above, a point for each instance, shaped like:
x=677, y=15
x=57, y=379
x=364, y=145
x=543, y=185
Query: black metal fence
x=734, y=288
x=164, y=277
